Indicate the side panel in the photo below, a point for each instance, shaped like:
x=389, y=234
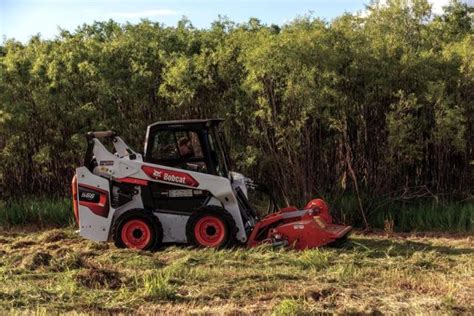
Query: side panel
x=219, y=187
x=174, y=227
x=176, y=198
x=95, y=212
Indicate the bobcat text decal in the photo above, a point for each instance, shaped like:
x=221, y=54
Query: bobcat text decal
x=170, y=176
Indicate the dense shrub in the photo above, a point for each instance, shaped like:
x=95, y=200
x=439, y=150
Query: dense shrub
x=372, y=105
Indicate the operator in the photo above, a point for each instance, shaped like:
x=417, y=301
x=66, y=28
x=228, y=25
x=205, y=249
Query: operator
x=186, y=151
x=185, y=147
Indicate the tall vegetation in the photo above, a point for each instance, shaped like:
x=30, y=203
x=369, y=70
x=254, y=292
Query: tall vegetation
x=376, y=105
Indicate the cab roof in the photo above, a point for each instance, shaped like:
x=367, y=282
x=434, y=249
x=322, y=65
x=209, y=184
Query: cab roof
x=182, y=123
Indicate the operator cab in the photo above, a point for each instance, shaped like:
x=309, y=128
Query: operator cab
x=194, y=145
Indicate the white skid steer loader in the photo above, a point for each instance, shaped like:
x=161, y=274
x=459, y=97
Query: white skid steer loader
x=181, y=191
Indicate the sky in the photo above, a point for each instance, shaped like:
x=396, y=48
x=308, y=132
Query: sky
x=21, y=19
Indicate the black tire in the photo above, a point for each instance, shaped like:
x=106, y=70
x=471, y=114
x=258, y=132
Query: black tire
x=138, y=217
x=220, y=214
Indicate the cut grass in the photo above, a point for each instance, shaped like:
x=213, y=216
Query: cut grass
x=57, y=271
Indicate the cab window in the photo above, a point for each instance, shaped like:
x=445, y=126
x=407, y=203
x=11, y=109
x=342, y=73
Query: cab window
x=178, y=149
x=164, y=146
x=217, y=155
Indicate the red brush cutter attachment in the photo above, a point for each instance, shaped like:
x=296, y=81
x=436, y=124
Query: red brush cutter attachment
x=301, y=229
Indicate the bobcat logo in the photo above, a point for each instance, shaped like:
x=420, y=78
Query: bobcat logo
x=157, y=174
x=170, y=176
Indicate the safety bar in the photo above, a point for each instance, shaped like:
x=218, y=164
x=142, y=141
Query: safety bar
x=101, y=134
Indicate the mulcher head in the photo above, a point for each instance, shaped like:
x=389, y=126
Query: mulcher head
x=300, y=229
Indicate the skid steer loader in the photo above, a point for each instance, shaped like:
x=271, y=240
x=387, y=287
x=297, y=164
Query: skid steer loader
x=181, y=191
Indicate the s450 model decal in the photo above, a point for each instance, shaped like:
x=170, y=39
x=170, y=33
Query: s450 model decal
x=95, y=199
x=89, y=195
x=170, y=176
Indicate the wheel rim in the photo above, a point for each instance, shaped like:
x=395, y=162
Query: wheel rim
x=209, y=231
x=136, y=234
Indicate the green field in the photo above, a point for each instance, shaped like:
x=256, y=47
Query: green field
x=57, y=271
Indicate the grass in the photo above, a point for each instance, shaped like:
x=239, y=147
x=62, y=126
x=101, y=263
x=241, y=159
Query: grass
x=438, y=217
x=418, y=216
x=37, y=212
x=55, y=271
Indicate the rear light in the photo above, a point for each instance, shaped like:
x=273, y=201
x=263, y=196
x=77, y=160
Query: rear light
x=74, y=198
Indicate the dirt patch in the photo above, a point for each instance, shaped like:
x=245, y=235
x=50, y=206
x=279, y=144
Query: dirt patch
x=37, y=260
x=320, y=295
x=53, y=247
x=97, y=278
x=55, y=235
x=22, y=244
